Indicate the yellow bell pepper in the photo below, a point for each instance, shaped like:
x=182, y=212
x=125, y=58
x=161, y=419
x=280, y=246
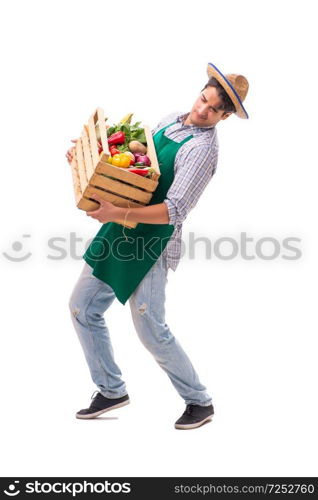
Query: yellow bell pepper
x=121, y=160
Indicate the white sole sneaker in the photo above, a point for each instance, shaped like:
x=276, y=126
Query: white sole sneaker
x=97, y=413
x=193, y=426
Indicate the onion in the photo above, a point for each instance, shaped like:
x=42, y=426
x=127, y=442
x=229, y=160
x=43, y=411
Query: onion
x=142, y=159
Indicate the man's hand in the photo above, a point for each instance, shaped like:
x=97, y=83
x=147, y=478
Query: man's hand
x=107, y=212
x=70, y=152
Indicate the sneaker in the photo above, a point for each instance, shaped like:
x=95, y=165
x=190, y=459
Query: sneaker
x=100, y=405
x=194, y=416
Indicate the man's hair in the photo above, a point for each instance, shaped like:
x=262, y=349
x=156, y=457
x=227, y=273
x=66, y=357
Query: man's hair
x=227, y=105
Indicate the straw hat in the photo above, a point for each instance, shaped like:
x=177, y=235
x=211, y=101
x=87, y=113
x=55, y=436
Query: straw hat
x=236, y=86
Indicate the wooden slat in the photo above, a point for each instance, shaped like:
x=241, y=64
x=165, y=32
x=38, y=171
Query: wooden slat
x=76, y=180
x=124, y=175
x=87, y=155
x=81, y=165
x=100, y=119
x=87, y=205
x=120, y=189
x=93, y=141
x=113, y=198
x=151, y=152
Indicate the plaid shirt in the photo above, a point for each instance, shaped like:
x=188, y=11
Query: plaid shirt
x=194, y=166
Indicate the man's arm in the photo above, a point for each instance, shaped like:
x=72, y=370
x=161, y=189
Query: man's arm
x=153, y=214
x=107, y=212
x=194, y=169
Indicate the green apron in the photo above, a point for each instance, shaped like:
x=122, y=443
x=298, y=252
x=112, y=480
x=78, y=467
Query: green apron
x=122, y=262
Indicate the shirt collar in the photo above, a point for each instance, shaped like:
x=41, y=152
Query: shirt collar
x=181, y=118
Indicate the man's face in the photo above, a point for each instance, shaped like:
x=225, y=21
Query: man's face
x=204, y=112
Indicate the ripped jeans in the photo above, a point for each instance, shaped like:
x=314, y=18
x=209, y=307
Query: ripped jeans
x=90, y=299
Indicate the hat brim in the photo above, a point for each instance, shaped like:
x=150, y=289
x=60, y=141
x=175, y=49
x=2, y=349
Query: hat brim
x=213, y=71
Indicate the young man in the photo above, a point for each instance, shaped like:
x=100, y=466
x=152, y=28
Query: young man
x=187, y=150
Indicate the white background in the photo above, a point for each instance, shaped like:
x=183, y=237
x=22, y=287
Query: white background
x=249, y=326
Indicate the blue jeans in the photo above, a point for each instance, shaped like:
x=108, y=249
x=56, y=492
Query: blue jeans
x=90, y=299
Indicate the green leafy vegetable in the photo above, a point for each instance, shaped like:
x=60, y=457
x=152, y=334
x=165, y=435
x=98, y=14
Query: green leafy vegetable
x=133, y=132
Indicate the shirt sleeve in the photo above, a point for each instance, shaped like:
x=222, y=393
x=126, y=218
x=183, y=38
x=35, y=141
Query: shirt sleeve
x=193, y=171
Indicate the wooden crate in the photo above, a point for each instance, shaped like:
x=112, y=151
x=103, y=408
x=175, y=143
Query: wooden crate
x=92, y=174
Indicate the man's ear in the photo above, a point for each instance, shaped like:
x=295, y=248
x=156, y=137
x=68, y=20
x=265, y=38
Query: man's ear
x=226, y=115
